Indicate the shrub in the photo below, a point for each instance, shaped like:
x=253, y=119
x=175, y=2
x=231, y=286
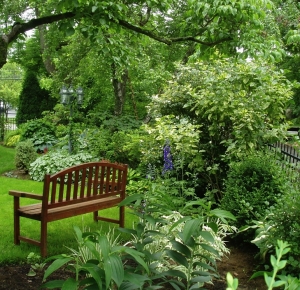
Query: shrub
x=40, y=132
x=12, y=138
x=53, y=162
x=25, y=155
x=33, y=100
x=32, y=127
x=282, y=222
x=252, y=186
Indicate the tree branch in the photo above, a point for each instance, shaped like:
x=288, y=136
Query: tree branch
x=33, y=23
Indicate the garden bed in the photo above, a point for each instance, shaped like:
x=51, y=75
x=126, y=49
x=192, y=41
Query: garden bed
x=240, y=263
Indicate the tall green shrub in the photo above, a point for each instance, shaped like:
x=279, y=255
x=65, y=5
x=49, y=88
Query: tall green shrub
x=25, y=154
x=33, y=99
x=252, y=186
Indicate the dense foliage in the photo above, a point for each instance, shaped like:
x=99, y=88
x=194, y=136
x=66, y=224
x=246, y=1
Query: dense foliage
x=25, y=155
x=32, y=100
x=252, y=186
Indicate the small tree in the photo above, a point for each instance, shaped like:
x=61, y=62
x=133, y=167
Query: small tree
x=33, y=99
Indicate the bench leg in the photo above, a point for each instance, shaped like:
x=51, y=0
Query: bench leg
x=96, y=216
x=16, y=221
x=43, y=245
x=122, y=216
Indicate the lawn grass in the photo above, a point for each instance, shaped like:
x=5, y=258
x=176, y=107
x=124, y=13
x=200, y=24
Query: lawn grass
x=60, y=233
x=7, y=159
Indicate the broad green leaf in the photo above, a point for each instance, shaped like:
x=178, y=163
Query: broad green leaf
x=209, y=249
x=201, y=279
x=175, y=273
x=70, y=284
x=136, y=279
x=180, y=221
x=117, y=268
x=222, y=214
x=94, y=271
x=53, y=284
x=56, y=265
x=278, y=283
x=181, y=248
x=204, y=266
x=78, y=234
x=104, y=246
x=190, y=228
x=177, y=257
x=130, y=199
x=207, y=236
x=92, y=248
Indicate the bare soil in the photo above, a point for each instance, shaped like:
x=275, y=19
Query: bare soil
x=241, y=263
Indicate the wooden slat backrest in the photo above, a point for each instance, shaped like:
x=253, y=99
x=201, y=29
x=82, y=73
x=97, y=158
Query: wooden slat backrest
x=88, y=181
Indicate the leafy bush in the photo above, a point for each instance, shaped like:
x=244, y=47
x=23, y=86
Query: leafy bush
x=12, y=138
x=53, y=162
x=25, y=155
x=282, y=222
x=40, y=132
x=252, y=186
x=32, y=127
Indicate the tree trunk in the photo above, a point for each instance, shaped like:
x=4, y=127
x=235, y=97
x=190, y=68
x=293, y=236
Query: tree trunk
x=49, y=65
x=119, y=84
x=3, y=50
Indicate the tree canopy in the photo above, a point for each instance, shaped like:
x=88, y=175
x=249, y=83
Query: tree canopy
x=214, y=24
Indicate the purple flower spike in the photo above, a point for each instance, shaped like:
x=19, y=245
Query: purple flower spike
x=168, y=164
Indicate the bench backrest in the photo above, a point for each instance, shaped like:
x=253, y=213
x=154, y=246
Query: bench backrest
x=84, y=182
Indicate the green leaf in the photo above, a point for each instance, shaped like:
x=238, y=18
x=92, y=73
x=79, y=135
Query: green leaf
x=177, y=257
x=53, y=284
x=207, y=236
x=78, y=234
x=190, y=228
x=222, y=214
x=136, y=279
x=94, y=271
x=130, y=199
x=117, y=269
x=56, y=265
x=174, y=273
x=204, y=266
x=209, y=249
x=70, y=284
x=137, y=256
x=180, y=221
x=201, y=279
x=104, y=246
x=278, y=283
x=181, y=248
x=92, y=248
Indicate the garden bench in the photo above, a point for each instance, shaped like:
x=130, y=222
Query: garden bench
x=77, y=190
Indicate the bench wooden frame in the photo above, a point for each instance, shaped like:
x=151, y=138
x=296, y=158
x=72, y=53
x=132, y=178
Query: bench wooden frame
x=77, y=190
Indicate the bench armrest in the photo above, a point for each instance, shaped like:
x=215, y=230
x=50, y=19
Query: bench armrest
x=25, y=194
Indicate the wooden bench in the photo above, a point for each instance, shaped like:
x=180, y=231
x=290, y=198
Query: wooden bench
x=77, y=190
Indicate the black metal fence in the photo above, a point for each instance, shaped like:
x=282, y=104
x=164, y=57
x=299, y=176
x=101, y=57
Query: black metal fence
x=289, y=157
x=7, y=125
